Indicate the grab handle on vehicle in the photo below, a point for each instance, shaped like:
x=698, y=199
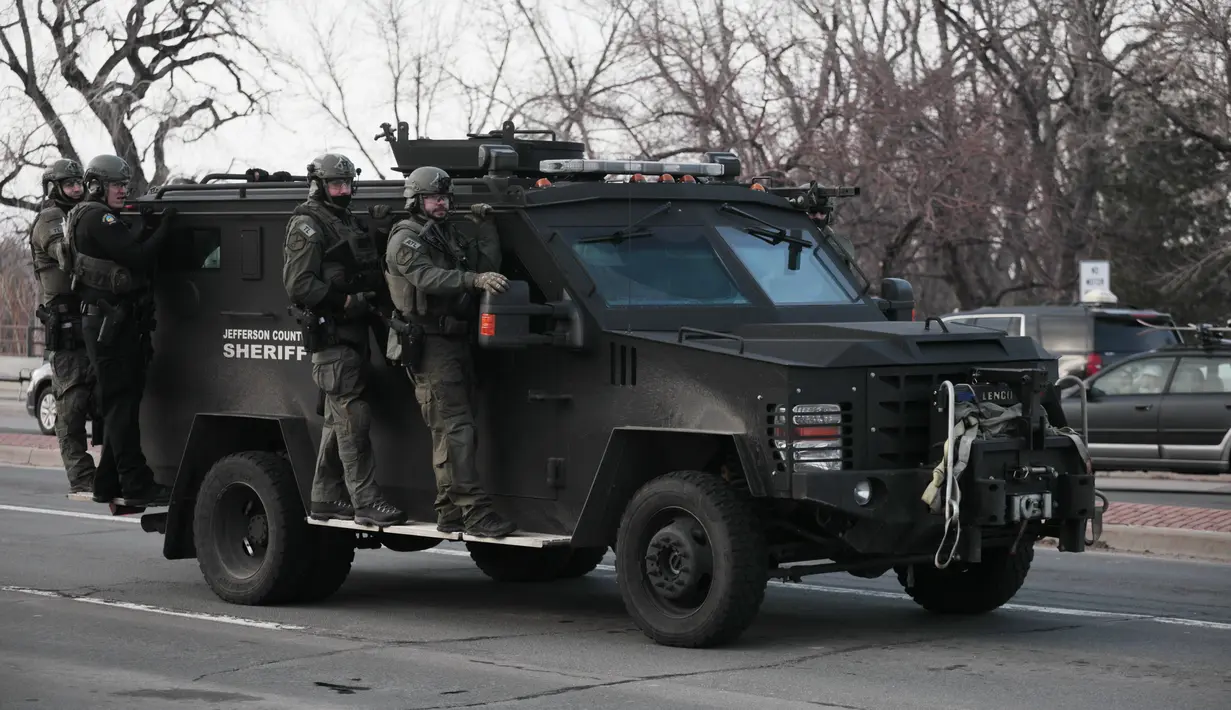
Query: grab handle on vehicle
x=711, y=333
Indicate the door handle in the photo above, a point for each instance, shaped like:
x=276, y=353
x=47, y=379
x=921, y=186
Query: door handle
x=1144, y=407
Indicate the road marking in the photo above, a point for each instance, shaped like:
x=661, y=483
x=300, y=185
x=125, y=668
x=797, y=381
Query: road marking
x=132, y=606
x=72, y=514
x=813, y=588
x=899, y=596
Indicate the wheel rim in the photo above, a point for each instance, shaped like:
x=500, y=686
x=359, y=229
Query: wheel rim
x=242, y=530
x=47, y=411
x=677, y=562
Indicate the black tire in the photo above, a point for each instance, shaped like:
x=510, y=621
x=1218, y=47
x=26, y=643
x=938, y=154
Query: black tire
x=972, y=588
x=511, y=563
x=46, y=392
x=239, y=493
x=692, y=519
x=581, y=562
x=331, y=552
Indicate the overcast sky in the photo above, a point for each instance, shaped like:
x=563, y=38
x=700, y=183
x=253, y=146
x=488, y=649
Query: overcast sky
x=298, y=129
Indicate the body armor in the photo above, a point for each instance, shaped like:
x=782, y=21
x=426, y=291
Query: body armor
x=444, y=252
x=351, y=264
x=92, y=272
x=48, y=246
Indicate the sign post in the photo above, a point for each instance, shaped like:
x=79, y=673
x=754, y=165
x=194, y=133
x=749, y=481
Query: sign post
x=1095, y=276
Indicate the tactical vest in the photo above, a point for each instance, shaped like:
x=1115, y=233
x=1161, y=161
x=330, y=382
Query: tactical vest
x=90, y=271
x=363, y=256
x=443, y=252
x=48, y=249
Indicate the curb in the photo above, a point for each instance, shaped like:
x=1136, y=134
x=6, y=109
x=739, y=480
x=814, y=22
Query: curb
x=1202, y=544
x=35, y=457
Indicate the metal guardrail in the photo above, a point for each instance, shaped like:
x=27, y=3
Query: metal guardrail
x=22, y=340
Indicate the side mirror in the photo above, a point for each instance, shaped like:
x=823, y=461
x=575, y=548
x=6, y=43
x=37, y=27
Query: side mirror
x=897, y=299
x=504, y=320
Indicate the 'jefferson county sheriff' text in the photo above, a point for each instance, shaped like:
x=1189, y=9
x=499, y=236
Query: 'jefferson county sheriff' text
x=286, y=344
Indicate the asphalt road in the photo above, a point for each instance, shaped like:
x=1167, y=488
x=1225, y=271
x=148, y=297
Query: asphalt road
x=93, y=616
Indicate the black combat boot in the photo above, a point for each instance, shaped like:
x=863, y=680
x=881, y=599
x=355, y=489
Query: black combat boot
x=153, y=494
x=491, y=524
x=451, y=524
x=332, y=510
x=380, y=513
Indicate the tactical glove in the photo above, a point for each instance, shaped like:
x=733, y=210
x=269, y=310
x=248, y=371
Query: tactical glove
x=491, y=282
x=479, y=211
x=356, y=304
x=379, y=211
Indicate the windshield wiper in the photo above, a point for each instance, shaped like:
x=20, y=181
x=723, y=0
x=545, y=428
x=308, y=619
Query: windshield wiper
x=629, y=232
x=773, y=235
x=618, y=237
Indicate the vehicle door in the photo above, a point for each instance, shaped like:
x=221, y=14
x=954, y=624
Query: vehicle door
x=1196, y=413
x=1124, y=405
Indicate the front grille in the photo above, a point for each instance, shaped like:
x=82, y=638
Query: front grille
x=898, y=421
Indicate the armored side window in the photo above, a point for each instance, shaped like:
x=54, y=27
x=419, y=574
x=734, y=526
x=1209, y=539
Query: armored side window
x=194, y=249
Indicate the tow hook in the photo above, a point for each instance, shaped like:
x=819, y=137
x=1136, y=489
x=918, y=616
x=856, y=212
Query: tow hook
x=1096, y=521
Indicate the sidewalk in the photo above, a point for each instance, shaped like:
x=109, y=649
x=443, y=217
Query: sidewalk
x=1127, y=527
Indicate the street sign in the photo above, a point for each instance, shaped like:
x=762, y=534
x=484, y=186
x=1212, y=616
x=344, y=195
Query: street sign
x=1095, y=276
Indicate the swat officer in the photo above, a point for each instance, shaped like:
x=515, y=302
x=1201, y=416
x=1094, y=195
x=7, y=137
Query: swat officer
x=60, y=312
x=331, y=272
x=111, y=266
x=433, y=272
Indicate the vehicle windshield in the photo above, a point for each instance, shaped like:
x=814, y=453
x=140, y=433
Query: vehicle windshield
x=1114, y=335
x=658, y=266
x=817, y=281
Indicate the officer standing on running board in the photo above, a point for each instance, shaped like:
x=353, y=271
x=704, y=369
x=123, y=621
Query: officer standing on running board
x=60, y=312
x=111, y=267
x=433, y=272
x=331, y=271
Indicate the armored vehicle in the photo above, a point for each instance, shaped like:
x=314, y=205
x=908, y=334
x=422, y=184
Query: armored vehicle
x=684, y=371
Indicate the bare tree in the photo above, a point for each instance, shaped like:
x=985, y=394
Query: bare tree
x=148, y=89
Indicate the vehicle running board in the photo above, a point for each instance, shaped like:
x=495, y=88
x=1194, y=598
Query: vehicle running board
x=118, y=506
x=415, y=529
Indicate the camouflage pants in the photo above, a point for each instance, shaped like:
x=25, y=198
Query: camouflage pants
x=345, y=464
x=72, y=381
x=444, y=387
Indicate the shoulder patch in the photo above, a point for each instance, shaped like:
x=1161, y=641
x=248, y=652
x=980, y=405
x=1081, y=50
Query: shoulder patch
x=108, y=218
x=306, y=229
x=56, y=228
x=412, y=243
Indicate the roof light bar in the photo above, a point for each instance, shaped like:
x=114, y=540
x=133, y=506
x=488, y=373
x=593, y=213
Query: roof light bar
x=629, y=167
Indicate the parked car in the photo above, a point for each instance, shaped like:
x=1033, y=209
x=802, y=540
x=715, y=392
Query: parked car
x=1164, y=410
x=1084, y=337
x=41, y=399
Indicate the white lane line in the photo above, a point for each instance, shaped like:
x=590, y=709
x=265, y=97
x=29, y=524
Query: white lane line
x=132, y=606
x=72, y=514
x=876, y=594
x=814, y=588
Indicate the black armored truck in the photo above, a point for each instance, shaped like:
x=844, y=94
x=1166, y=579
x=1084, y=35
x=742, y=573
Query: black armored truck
x=685, y=370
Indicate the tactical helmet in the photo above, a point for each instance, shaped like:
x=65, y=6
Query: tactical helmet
x=105, y=170
x=326, y=167
x=426, y=180
x=60, y=170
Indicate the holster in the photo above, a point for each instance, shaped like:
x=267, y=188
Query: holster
x=112, y=319
x=319, y=331
x=61, y=328
x=412, y=347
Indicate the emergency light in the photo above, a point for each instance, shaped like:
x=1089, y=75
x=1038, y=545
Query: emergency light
x=629, y=167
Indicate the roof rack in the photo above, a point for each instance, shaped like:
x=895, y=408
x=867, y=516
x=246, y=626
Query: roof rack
x=1208, y=336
